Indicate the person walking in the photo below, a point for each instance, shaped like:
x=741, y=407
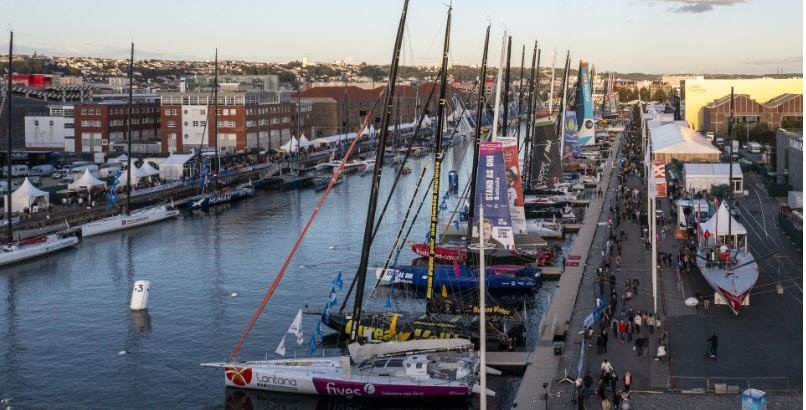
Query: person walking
x=587, y=381
x=606, y=369
x=630, y=331
x=638, y=321
x=618, y=261
x=622, y=329
x=713, y=342
x=650, y=322
x=604, y=341
x=706, y=302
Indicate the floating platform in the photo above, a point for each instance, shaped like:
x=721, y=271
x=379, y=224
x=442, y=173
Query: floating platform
x=551, y=272
x=579, y=203
x=572, y=227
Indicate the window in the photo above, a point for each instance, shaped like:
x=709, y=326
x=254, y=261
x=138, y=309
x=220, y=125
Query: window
x=83, y=111
x=171, y=124
x=219, y=112
x=186, y=111
x=203, y=123
x=172, y=136
x=186, y=123
x=203, y=112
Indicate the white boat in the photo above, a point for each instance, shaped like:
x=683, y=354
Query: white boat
x=34, y=247
x=137, y=218
x=331, y=166
x=724, y=260
x=412, y=369
x=544, y=229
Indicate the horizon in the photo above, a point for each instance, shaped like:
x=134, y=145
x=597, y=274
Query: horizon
x=647, y=37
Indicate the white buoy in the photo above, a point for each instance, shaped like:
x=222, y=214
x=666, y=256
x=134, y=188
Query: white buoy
x=234, y=294
x=122, y=353
x=331, y=247
x=140, y=295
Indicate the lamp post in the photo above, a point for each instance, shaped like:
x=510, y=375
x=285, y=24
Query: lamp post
x=545, y=396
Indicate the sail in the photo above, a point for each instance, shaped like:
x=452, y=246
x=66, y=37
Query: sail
x=360, y=353
x=491, y=193
x=584, y=113
x=570, y=136
x=546, y=169
x=514, y=184
x=296, y=327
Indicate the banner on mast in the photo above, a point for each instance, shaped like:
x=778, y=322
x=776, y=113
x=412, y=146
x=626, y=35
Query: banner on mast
x=491, y=188
x=514, y=184
x=570, y=136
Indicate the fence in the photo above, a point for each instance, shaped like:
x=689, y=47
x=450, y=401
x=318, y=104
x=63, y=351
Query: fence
x=727, y=385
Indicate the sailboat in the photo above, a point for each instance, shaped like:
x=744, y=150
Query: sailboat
x=128, y=219
x=33, y=247
x=216, y=196
x=415, y=369
x=722, y=253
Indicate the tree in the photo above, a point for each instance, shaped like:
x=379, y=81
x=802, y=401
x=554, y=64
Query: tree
x=644, y=93
x=792, y=123
x=660, y=95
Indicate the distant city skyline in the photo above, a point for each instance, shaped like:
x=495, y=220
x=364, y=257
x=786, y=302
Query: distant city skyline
x=660, y=36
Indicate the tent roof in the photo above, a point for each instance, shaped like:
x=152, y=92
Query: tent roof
x=177, y=159
x=28, y=190
x=147, y=169
x=715, y=169
x=87, y=180
x=723, y=216
x=674, y=138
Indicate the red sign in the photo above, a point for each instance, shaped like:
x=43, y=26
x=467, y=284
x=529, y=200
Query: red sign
x=660, y=189
x=659, y=169
x=572, y=263
x=574, y=257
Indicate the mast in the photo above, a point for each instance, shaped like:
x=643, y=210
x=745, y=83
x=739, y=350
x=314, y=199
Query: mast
x=299, y=133
x=482, y=314
x=376, y=176
x=551, y=83
x=215, y=123
x=498, y=75
x=432, y=234
x=730, y=171
x=520, y=96
x=129, y=136
x=563, y=103
x=477, y=139
x=8, y=135
x=530, y=118
x=506, y=87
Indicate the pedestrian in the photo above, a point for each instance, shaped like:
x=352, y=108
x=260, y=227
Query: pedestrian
x=699, y=299
x=661, y=353
x=630, y=331
x=635, y=287
x=599, y=343
x=627, y=381
x=601, y=392
x=706, y=302
x=588, y=336
x=658, y=323
x=606, y=369
x=713, y=342
x=613, y=382
x=618, y=260
x=637, y=322
x=604, y=343
x=638, y=346
x=622, y=329
x=612, y=277
x=650, y=322
x=587, y=381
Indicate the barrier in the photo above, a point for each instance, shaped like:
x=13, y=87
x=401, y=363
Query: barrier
x=769, y=384
x=727, y=385
x=684, y=383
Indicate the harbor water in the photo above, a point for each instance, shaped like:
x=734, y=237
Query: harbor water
x=68, y=338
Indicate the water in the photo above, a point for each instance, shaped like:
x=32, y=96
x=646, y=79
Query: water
x=70, y=340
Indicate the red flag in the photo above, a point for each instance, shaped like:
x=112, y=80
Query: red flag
x=456, y=270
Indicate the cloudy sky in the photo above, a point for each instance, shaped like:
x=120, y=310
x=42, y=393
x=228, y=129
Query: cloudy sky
x=652, y=36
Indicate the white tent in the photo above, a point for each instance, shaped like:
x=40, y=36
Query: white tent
x=674, y=141
x=148, y=169
x=86, y=181
x=702, y=177
x=173, y=167
x=303, y=141
x=26, y=195
x=121, y=159
x=137, y=175
x=718, y=229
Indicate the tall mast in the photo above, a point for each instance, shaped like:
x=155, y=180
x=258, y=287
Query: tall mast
x=563, y=103
x=215, y=122
x=299, y=133
x=432, y=234
x=376, y=176
x=730, y=170
x=8, y=135
x=530, y=112
x=129, y=136
x=477, y=139
x=506, y=87
x=551, y=83
x=520, y=96
x=496, y=110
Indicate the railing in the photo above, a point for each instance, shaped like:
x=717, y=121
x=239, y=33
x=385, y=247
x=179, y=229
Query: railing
x=727, y=385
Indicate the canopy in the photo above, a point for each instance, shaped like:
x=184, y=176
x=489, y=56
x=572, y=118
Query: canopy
x=294, y=144
x=26, y=195
x=148, y=169
x=675, y=141
x=120, y=159
x=722, y=216
x=173, y=168
x=86, y=181
x=137, y=175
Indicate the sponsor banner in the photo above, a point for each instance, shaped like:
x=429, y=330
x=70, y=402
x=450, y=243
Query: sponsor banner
x=491, y=193
x=341, y=388
x=514, y=186
x=660, y=189
x=570, y=136
x=584, y=113
x=659, y=173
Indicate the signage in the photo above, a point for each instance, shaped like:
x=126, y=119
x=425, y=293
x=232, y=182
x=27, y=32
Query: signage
x=572, y=263
x=574, y=257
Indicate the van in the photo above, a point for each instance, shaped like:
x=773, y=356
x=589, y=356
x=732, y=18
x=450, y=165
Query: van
x=17, y=170
x=42, y=170
x=754, y=147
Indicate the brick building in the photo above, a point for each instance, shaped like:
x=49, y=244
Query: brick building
x=246, y=120
x=99, y=125
x=750, y=112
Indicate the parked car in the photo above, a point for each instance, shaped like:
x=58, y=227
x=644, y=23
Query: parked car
x=57, y=175
x=36, y=180
x=735, y=212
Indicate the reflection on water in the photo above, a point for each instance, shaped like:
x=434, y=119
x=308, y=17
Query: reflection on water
x=69, y=339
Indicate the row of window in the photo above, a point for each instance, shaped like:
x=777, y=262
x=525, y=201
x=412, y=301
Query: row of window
x=136, y=110
x=268, y=110
x=221, y=124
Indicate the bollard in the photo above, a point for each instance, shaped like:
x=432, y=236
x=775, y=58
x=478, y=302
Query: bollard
x=140, y=295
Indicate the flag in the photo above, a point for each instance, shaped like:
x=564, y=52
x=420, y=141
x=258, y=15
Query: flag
x=296, y=327
x=338, y=282
x=319, y=328
x=312, y=346
x=393, y=325
x=333, y=299
x=326, y=312
x=281, y=348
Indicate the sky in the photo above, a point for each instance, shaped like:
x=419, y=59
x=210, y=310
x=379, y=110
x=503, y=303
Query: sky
x=657, y=36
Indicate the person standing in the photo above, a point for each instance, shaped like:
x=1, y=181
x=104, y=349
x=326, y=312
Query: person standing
x=627, y=380
x=587, y=381
x=714, y=344
x=638, y=322
x=650, y=322
x=706, y=302
x=622, y=329
x=606, y=369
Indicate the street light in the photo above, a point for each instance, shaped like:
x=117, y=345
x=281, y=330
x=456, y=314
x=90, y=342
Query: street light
x=546, y=394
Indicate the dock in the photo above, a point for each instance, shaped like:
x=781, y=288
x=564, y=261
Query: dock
x=551, y=272
x=544, y=360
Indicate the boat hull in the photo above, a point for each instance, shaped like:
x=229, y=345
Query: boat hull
x=498, y=277
x=734, y=285
x=22, y=253
x=121, y=222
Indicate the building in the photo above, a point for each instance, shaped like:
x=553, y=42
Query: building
x=699, y=93
x=233, y=82
x=675, y=141
x=789, y=158
x=703, y=177
x=53, y=130
x=99, y=126
x=749, y=113
x=245, y=120
x=676, y=80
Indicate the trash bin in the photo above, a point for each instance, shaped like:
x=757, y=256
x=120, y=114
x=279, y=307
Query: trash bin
x=753, y=399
